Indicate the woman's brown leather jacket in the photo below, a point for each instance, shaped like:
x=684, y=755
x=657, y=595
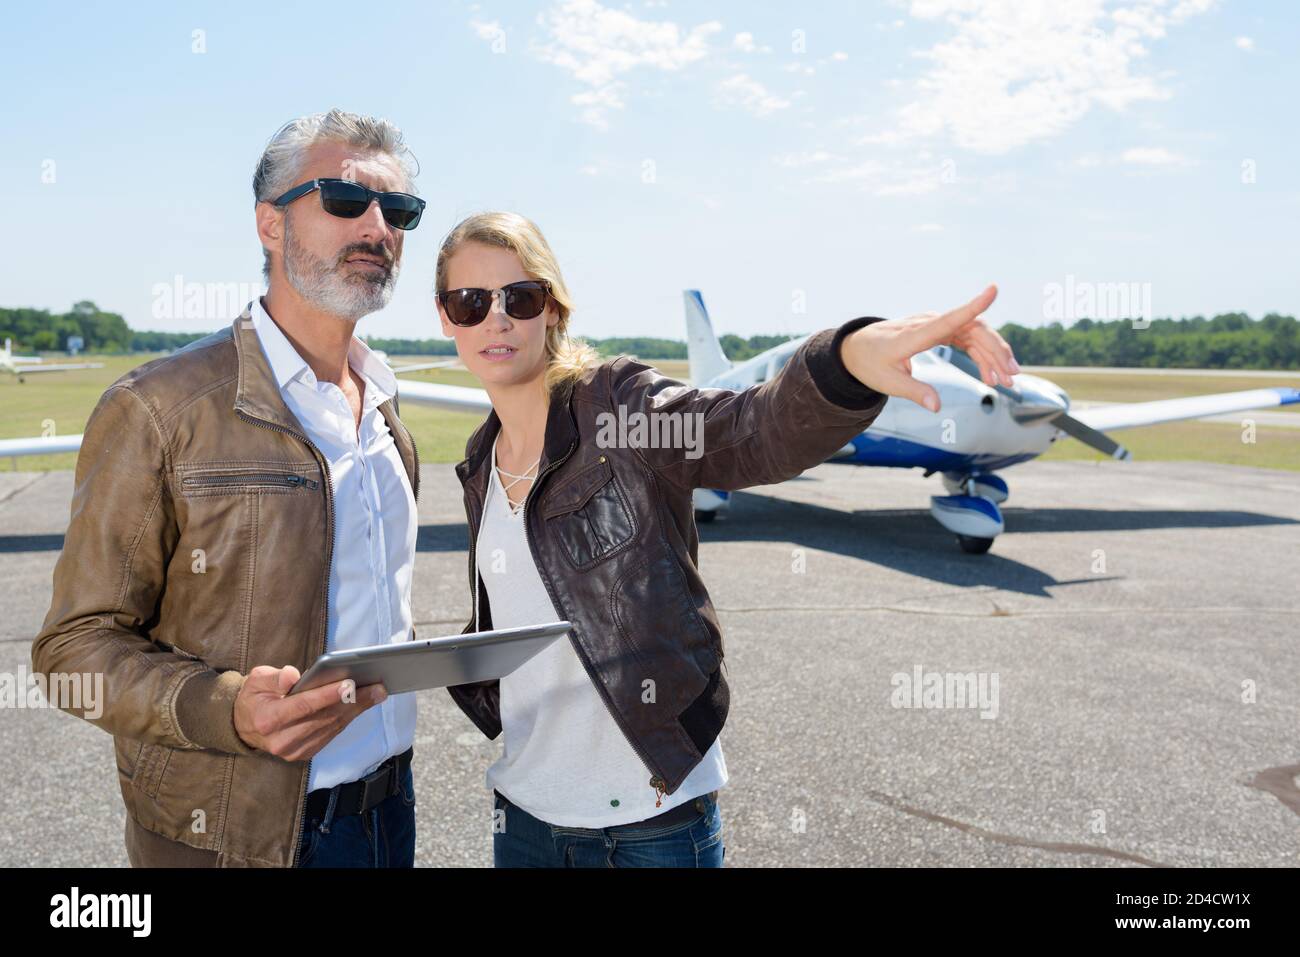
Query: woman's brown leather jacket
x=612, y=530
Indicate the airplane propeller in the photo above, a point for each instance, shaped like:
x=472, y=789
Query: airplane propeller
x=1032, y=407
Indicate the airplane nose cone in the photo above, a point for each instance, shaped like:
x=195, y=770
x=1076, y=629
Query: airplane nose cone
x=1038, y=405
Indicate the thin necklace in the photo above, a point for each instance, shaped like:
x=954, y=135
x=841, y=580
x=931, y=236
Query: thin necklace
x=526, y=471
x=514, y=509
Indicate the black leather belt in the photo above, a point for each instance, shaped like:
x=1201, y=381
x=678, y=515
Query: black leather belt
x=354, y=797
x=682, y=812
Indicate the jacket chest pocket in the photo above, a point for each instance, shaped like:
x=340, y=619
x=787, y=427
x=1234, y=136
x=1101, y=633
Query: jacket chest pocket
x=589, y=517
x=238, y=479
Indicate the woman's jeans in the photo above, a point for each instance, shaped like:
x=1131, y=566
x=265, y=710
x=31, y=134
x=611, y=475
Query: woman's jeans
x=521, y=840
x=384, y=836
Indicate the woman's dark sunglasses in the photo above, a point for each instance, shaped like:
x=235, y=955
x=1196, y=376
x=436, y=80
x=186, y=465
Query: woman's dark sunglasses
x=521, y=300
x=343, y=197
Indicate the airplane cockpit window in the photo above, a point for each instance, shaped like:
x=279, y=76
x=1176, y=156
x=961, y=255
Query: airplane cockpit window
x=770, y=370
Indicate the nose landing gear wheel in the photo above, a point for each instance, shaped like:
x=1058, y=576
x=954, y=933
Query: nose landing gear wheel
x=974, y=546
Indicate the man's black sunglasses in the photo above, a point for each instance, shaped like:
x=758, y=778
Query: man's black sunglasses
x=343, y=197
x=520, y=300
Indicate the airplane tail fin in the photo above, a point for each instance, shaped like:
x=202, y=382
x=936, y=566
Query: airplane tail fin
x=707, y=359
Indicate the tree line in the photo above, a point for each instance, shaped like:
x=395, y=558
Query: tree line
x=1228, y=341
x=39, y=330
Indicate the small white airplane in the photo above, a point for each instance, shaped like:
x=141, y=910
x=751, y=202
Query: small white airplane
x=978, y=430
x=22, y=366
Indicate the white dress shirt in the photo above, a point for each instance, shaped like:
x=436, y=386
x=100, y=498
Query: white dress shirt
x=374, y=537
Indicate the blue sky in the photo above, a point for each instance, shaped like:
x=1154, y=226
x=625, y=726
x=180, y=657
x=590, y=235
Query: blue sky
x=800, y=165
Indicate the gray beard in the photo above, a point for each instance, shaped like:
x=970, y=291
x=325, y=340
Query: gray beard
x=326, y=287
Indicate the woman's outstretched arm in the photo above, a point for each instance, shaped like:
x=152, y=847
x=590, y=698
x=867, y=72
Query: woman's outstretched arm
x=831, y=389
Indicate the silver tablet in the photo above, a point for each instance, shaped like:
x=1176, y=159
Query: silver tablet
x=434, y=662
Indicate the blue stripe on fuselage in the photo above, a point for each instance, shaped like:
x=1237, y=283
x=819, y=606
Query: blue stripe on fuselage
x=892, y=452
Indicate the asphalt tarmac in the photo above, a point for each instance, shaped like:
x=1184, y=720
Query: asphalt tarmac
x=1135, y=634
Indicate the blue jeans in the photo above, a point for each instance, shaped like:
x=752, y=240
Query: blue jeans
x=384, y=836
x=521, y=840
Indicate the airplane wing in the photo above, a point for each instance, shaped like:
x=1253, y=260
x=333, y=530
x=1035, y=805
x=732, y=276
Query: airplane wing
x=61, y=367
x=1107, y=418
x=40, y=446
x=418, y=366
x=455, y=398
x=451, y=397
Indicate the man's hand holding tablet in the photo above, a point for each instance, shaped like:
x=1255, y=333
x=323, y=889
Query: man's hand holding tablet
x=296, y=727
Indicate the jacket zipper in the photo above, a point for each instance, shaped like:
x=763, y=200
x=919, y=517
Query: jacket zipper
x=251, y=478
x=324, y=624
x=656, y=781
x=415, y=454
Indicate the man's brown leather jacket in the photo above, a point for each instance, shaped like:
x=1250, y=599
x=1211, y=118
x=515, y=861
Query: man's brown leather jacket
x=199, y=547
x=612, y=530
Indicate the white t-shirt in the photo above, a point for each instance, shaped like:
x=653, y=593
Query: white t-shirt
x=565, y=762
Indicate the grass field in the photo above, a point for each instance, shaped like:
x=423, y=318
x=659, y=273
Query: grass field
x=1110, y=387
x=66, y=399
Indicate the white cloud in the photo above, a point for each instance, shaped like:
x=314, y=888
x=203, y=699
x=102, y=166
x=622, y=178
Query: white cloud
x=927, y=228
x=744, y=91
x=487, y=31
x=598, y=45
x=1018, y=71
x=1148, y=156
x=1245, y=43
x=804, y=158
x=1152, y=156
x=744, y=42
x=887, y=179
x=887, y=138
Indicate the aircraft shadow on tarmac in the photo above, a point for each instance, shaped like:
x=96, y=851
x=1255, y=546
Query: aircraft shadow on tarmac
x=910, y=541
x=15, y=544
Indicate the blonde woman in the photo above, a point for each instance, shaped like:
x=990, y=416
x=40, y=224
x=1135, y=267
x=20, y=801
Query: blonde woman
x=612, y=753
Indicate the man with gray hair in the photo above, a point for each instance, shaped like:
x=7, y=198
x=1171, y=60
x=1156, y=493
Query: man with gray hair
x=241, y=507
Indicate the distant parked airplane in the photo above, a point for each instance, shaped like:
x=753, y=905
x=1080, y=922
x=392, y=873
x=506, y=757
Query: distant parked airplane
x=22, y=366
